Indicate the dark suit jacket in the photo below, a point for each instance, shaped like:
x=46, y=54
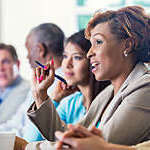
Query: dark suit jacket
x=125, y=121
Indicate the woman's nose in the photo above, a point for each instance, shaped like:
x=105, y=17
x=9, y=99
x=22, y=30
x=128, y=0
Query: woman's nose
x=69, y=63
x=90, y=53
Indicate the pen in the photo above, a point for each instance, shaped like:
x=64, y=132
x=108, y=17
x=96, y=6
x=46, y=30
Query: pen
x=45, y=67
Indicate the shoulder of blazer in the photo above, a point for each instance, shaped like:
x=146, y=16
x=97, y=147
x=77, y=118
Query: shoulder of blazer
x=143, y=81
x=139, y=88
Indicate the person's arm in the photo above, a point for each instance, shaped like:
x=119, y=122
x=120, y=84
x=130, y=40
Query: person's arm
x=43, y=113
x=46, y=119
x=16, y=123
x=31, y=132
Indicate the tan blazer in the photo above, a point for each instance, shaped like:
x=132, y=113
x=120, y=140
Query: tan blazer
x=125, y=121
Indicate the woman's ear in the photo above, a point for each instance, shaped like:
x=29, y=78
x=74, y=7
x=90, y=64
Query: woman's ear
x=18, y=64
x=128, y=46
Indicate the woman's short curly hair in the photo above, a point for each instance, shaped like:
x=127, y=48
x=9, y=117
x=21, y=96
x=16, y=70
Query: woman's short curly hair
x=127, y=22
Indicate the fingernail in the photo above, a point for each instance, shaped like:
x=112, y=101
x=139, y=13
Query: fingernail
x=45, y=67
x=38, y=79
x=52, y=61
x=41, y=78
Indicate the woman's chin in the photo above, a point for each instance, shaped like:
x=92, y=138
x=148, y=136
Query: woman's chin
x=70, y=83
x=99, y=78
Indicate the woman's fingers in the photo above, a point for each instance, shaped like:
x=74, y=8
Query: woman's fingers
x=74, y=131
x=63, y=85
x=38, y=74
x=68, y=142
x=34, y=77
x=43, y=75
x=80, y=129
x=96, y=131
x=51, y=74
x=59, y=145
x=62, y=139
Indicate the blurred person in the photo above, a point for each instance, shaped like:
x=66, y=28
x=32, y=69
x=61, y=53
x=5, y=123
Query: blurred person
x=13, y=88
x=136, y=103
x=44, y=42
x=121, y=110
x=77, y=73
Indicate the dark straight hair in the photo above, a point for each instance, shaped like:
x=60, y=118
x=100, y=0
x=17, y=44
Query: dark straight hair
x=79, y=39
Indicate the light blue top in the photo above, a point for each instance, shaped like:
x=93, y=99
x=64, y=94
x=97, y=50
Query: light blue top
x=70, y=110
x=4, y=94
x=11, y=109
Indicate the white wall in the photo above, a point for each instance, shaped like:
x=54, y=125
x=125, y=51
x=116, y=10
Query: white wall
x=19, y=16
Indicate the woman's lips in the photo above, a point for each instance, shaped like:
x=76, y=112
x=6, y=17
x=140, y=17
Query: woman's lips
x=94, y=67
x=69, y=74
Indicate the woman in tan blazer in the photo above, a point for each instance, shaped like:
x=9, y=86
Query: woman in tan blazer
x=120, y=45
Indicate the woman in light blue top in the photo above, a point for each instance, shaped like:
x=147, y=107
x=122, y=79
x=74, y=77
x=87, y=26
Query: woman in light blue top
x=77, y=72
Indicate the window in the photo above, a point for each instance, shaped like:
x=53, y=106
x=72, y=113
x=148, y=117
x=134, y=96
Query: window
x=83, y=20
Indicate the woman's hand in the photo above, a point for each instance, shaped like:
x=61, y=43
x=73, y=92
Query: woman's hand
x=78, y=137
x=20, y=144
x=41, y=80
x=62, y=90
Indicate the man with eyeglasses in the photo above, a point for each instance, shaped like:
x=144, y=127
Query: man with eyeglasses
x=13, y=88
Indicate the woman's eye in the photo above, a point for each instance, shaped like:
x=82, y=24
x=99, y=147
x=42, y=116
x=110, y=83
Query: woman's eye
x=99, y=42
x=6, y=61
x=64, y=56
x=77, y=57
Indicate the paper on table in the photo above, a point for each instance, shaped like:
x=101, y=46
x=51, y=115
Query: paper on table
x=7, y=140
x=41, y=145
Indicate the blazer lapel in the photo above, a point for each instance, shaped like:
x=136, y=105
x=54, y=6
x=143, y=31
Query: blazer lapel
x=99, y=105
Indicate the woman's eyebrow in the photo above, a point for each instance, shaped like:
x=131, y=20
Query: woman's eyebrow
x=98, y=34
x=75, y=53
